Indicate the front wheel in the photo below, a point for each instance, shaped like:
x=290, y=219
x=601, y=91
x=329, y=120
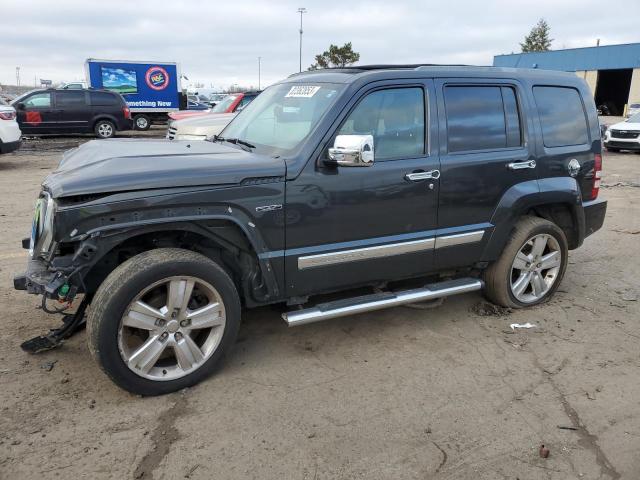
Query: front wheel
x=531, y=266
x=163, y=320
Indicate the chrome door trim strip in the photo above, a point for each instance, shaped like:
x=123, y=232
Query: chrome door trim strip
x=367, y=253
x=459, y=239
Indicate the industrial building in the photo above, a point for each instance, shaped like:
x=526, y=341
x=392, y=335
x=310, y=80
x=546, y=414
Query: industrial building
x=612, y=71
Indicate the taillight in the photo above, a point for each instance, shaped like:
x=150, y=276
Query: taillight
x=127, y=112
x=597, y=174
x=7, y=115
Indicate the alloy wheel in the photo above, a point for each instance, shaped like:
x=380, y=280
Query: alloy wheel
x=171, y=328
x=105, y=130
x=535, y=269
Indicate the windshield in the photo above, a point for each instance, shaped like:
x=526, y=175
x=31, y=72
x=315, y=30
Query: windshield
x=224, y=105
x=634, y=118
x=282, y=116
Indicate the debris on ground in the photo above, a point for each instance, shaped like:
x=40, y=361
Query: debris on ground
x=48, y=366
x=544, y=452
x=566, y=427
x=629, y=296
x=486, y=309
x=522, y=325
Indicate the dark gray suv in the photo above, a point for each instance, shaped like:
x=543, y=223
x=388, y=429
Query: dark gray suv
x=419, y=182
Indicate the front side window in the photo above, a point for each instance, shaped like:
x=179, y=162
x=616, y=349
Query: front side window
x=562, y=116
x=396, y=119
x=39, y=100
x=71, y=98
x=282, y=116
x=482, y=118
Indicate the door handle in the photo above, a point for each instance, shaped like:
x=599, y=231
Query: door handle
x=417, y=176
x=521, y=165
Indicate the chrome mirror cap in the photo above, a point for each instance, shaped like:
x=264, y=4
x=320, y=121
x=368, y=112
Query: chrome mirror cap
x=352, y=151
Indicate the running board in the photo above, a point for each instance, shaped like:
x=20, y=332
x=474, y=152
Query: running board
x=378, y=301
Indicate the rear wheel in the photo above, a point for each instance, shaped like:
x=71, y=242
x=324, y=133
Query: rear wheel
x=104, y=129
x=531, y=266
x=163, y=320
x=142, y=122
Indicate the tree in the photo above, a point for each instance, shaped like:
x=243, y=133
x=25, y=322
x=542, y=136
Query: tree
x=538, y=39
x=336, y=57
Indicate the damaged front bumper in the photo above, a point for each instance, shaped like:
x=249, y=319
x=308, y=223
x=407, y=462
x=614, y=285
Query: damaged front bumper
x=39, y=279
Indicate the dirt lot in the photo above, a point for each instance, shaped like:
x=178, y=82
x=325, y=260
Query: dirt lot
x=449, y=393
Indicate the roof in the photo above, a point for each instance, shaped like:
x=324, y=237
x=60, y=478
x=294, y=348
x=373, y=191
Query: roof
x=379, y=72
x=608, y=57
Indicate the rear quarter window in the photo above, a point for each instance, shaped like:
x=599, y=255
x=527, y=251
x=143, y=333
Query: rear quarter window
x=104, y=99
x=562, y=116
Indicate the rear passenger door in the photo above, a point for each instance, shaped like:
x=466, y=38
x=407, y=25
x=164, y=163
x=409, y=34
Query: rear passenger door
x=73, y=111
x=483, y=153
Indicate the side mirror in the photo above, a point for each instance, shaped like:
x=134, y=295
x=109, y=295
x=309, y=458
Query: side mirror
x=20, y=106
x=352, y=151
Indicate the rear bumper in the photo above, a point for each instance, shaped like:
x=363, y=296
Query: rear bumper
x=9, y=146
x=594, y=212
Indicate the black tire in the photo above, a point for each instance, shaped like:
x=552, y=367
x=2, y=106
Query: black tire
x=498, y=275
x=121, y=287
x=104, y=129
x=141, y=122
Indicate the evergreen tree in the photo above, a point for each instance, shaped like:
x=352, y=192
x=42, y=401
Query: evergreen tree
x=538, y=39
x=336, y=57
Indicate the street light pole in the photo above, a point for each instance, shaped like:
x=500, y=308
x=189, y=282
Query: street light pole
x=259, y=58
x=301, y=10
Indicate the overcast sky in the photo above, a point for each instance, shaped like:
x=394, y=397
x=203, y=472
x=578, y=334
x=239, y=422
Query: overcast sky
x=218, y=42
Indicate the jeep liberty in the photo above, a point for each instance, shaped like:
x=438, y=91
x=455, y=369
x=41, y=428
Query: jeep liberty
x=379, y=185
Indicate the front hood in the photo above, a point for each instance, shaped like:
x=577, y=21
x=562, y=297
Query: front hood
x=104, y=166
x=628, y=126
x=204, y=120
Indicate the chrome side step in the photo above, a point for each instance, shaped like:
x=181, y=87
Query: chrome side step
x=377, y=301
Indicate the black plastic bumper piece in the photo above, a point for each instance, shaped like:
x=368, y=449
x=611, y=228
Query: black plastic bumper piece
x=35, y=279
x=594, y=213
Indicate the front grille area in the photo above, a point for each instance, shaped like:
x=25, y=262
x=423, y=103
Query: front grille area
x=171, y=134
x=623, y=145
x=624, y=134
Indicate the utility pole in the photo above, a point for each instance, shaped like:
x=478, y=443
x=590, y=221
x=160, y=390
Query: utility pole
x=18, y=76
x=301, y=10
x=259, y=59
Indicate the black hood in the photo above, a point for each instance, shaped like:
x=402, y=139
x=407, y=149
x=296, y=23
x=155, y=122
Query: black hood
x=103, y=166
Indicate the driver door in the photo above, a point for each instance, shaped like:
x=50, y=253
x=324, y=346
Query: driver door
x=347, y=226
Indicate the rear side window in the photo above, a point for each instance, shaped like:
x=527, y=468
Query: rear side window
x=561, y=115
x=103, y=99
x=396, y=119
x=482, y=118
x=71, y=98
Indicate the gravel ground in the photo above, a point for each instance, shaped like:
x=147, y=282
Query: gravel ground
x=450, y=393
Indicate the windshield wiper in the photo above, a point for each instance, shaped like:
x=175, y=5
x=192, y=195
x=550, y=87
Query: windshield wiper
x=236, y=141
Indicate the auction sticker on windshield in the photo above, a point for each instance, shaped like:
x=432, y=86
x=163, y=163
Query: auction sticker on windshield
x=302, y=91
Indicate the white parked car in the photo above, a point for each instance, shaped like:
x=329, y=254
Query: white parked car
x=633, y=109
x=200, y=127
x=10, y=135
x=624, y=135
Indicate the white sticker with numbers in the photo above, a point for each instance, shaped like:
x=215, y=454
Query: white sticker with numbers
x=302, y=91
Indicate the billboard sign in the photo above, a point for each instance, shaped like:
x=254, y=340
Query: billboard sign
x=144, y=85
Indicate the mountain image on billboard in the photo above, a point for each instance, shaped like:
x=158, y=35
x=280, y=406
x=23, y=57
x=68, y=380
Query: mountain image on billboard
x=119, y=80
